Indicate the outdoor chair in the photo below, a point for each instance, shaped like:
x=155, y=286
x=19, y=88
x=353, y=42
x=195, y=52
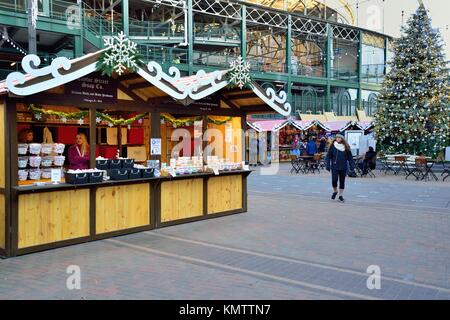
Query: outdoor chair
x=314, y=164
x=295, y=163
x=401, y=164
x=386, y=165
x=368, y=169
x=421, y=170
x=446, y=173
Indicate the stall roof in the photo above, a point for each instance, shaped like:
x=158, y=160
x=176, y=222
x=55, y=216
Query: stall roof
x=150, y=81
x=305, y=125
x=342, y=125
x=268, y=125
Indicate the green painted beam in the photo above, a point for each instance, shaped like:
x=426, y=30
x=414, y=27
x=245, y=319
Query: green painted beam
x=329, y=44
x=78, y=47
x=190, y=35
x=288, y=60
x=359, y=65
x=125, y=18
x=309, y=80
x=371, y=86
x=344, y=84
x=244, y=31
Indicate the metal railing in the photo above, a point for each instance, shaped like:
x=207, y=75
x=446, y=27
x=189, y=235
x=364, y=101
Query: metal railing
x=348, y=74
x=169, y=30
x=163, y=55
x=302, y=104
x=211, y=31
x=308, y=71
x=373, y=73
x=215, y=59
x=153, y=29
x=259, y=64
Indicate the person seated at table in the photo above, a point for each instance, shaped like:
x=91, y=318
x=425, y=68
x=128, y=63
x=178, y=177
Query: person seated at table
x=322, y=145
x=78, y=153
x=26, y=136
x=311, y=147
x=369, y=160
x=296, y=146
x=303, y=147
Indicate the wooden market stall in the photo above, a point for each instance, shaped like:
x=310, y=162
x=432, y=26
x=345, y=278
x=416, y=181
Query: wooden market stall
x=134, y=115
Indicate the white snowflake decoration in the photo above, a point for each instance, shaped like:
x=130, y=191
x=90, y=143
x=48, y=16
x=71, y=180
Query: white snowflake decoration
x=110, y=125
x=64, y=119
x=38, y=116
x=98, y=120
x=121, y=53
x=80, y=121
x=239, y=72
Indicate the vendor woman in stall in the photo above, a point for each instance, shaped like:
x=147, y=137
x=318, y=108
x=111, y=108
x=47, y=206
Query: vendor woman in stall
x=26, y=136
x=79, y=153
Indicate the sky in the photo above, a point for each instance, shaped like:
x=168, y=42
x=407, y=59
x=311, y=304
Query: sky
x=370, y=16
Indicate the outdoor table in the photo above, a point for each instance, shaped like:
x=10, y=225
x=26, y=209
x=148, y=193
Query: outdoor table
x=446, y=172
x=402, y=165
x=387, y=164
x=305, y=162
x=428, y=170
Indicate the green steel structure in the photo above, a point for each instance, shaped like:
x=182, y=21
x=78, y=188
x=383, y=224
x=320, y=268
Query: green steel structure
x=301, y=47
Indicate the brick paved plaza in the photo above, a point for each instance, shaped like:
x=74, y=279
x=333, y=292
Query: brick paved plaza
x=293, y=243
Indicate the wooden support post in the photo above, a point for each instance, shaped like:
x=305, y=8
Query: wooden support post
x=92, y=137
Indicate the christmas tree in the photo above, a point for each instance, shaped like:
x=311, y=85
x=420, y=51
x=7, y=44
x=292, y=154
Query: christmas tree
x=413, y=112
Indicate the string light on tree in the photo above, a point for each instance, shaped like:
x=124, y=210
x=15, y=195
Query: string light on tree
x=413, y=101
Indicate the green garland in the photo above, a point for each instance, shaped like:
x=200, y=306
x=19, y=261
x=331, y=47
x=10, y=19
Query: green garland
x=67, y=115
x=218, y=122
x=179, y=122
x=83, y=114
x=121, y=121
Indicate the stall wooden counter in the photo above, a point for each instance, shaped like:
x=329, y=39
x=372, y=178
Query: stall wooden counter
x=54, y=215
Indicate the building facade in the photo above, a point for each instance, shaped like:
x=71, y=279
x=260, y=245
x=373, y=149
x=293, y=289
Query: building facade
x=310, y=49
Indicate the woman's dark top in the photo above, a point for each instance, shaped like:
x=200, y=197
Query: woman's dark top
x=322, y=146
x=337, y=160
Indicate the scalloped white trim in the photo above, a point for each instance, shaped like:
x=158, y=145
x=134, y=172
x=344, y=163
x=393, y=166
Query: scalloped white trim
x=273, y=99
x=184, y=90
x=17, y=78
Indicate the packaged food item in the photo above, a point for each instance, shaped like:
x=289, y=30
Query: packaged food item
x=47, y=148
x=35, y=161
x=22, y=148
x=23, y=161
x=59, y=148
x=23, y=175
x=35, y=174
x=46, y=161
x=59, y=160
x=35, y=148
x=46, y=173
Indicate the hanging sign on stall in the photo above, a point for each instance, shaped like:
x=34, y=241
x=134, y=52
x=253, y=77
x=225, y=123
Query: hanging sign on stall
x=56, y=175
x=93, y=88
x=228, y=133
x=155, y=144
x=198, y=125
